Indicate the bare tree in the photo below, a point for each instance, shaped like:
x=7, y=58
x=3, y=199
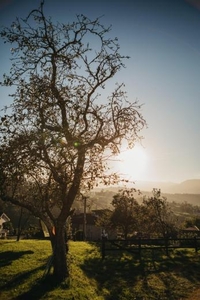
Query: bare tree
x=56, y=136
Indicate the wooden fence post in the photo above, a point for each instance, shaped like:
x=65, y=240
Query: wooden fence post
x=195, y=244
x=139, y=247
x=166, y=246
x=103, y=249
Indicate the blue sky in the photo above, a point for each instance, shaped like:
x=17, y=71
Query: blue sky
x=162, y=37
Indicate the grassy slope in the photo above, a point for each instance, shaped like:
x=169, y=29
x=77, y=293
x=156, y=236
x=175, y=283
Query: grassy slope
x=119, y=276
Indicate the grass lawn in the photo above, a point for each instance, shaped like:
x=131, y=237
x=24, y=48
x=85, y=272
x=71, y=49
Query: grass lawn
x=120, y=276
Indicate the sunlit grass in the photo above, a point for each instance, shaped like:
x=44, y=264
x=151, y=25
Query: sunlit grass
x=120, y=276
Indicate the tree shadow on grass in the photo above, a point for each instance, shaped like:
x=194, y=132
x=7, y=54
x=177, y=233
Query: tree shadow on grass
x=113, y=274
x=188, y=265
x=154, y=276
x=39, y=288
x=7, y=257
x=19, y=279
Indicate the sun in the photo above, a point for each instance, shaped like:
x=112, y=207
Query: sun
x=132, y=163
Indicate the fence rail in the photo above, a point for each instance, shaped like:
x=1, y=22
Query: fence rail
x=139, y=244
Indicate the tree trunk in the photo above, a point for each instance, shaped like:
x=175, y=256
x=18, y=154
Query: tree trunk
x=19, y=231
x=60, y=262
x=125, y=233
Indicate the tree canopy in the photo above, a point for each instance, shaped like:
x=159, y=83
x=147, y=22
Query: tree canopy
x=151, y=217
x=125, y=213
x=158, y=218
x=56, y=136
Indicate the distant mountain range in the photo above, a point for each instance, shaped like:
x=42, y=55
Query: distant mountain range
x=186, y=191
x=191, y=186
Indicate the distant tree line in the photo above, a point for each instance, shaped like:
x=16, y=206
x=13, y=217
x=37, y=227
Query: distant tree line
x=131, y=213
x=153, y=217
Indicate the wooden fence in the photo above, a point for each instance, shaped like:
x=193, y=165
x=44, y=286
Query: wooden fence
x=139, y=244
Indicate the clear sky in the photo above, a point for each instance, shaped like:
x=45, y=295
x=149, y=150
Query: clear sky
x=162, y=37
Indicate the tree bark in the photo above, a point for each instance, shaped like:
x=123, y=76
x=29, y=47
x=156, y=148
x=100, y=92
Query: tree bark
x=60, y=266
x=19, y=230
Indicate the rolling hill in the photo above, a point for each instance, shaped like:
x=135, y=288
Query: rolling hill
x=191, y=186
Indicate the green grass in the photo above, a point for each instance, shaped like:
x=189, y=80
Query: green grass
x=120, y=276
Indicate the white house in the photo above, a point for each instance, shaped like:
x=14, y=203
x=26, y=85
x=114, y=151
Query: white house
x=3, y=218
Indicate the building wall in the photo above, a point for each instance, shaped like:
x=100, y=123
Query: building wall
x=3, y=219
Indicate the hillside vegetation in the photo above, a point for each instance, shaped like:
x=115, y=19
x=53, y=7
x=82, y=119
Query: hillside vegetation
x=120, y=276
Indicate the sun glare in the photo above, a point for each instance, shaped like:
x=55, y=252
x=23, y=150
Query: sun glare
x=132, y=163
